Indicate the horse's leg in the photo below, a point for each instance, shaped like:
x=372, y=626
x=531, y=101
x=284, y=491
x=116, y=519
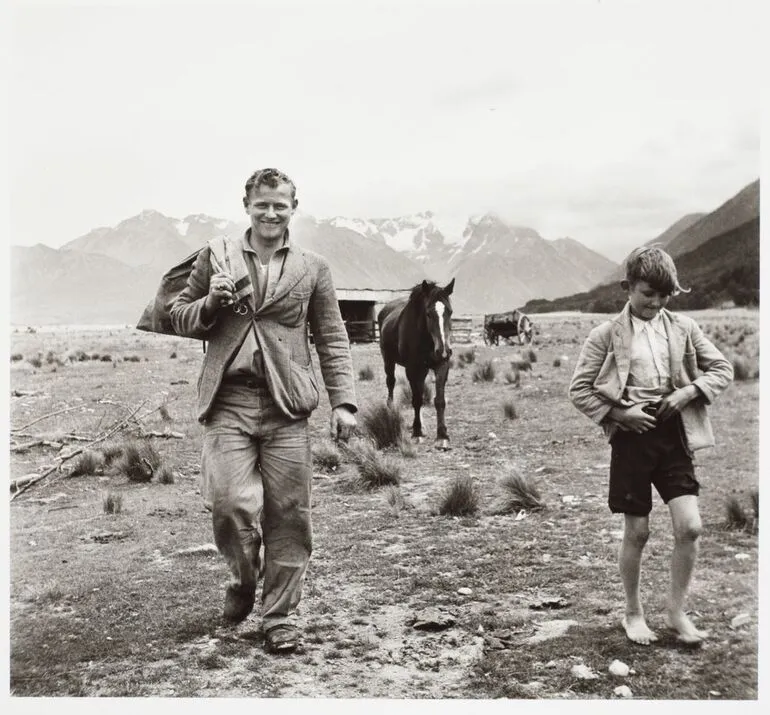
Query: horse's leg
x=390, y=377
x=416, y=377
x=441, y=372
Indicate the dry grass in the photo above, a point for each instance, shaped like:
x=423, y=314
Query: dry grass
x=509, y=410
x=375, y=469
x=737, y=517
x=139, y=461
x=513, y=377
x=461, y=498
x=112, y=503
x=87, y=463
x=326, y=456
x=519, y=492
x=383, y=424
x=466, y=357
x=484, y=372
x=371, y=570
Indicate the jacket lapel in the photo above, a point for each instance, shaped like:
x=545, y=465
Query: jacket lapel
x=622, y=335
x=294, y=268
x=677, y=339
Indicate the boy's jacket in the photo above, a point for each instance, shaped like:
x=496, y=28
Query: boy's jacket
x=303, y=295
x=600, y=376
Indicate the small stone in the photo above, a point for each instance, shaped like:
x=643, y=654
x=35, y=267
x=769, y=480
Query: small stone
x=714, y=693
x=619, y=668
x=546, y=558
x=740, y=620
x=742, y=557
x=465, y=591
x=623, y=691
x=492, y=435
x=583, y=672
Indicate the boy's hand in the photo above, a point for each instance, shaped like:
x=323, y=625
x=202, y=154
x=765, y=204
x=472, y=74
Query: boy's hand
x=633, y=419
x=674, y=403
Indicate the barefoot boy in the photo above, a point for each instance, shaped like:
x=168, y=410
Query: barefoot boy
x=646, y=377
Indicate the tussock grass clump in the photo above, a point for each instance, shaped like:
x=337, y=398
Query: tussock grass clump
x=460, y=499
x=531, y=356
x=139, y=461
x=172, y=356
x=111, y=451
x=326, y=456
x=742, y=368
x=484, y=372
x=375, y=469
x=130, y=358
x=509, y=410
x=17, y=357
x=106, y=358
x=521, y=363
x=519, y=492
x=79, y=356
x=737, y=518
x=384, y=424
x=165, y=415
x=513, y=377
x=395, y=500
x=166, y=475
x=112, y=503
x=36, y=361
x=407, y=449
x=88, y=462
x=366, y=373
x=466, y=357
x=96, y=356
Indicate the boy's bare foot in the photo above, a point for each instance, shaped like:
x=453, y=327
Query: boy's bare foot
x=638, y=631
x=685, y=629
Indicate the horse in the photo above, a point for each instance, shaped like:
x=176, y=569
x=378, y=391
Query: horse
x=415, y=332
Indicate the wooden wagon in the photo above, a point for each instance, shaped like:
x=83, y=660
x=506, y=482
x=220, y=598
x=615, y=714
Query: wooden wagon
x=507, y=325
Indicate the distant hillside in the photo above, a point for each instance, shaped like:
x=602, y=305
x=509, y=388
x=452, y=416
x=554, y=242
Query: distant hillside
x=722, y=266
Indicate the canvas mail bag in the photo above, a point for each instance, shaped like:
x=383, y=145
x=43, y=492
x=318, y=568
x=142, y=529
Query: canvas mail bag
x=225, y=255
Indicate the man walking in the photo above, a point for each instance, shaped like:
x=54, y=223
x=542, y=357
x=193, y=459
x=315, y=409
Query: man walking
x=251, y=298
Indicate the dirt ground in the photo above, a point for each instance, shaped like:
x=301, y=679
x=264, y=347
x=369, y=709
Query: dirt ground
x=129, y=604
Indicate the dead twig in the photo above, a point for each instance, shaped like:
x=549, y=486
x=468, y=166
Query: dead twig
x=117, y=427
x=45, y=417
x=165, y=435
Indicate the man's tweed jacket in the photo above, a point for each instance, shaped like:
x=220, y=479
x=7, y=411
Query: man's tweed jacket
x=304, y=293
x=602, y=370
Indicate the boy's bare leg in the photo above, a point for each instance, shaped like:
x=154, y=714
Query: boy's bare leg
x=635, y=535
x=687, y=528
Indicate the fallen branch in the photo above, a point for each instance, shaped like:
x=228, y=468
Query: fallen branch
x=117, y=427
x=45, y=417
x=36, y=443
x=165, y=435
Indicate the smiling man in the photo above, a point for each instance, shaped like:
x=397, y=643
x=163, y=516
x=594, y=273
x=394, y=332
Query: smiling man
x=252, y=298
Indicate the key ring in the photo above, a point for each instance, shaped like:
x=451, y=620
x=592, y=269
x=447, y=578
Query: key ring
x=240, y=309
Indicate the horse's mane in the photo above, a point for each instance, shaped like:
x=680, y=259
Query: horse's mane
x=418, y=290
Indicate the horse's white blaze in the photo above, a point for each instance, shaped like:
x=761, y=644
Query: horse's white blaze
x=439, y=308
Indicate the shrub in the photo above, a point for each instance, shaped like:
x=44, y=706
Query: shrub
x=484, y=372
x=326, y=456
x=139, y=461
x=513, y=377
x=110, y=452
x=384, y=424
x=519, y=492
x=374, y=468
x=87, y=463
x=112, y=503
x=365, y=374
x=16, y=357
x=36, y=361
x=738, y=519
x=466, y=357
x=521, y=363
x=166, y=475
x=509, y=410
x=742, y=368
x=395, y=500
x=532, y=356
x=461, y=498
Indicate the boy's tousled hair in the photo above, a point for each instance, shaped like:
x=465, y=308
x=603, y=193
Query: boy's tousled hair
x=656, y=267
x=271, y=178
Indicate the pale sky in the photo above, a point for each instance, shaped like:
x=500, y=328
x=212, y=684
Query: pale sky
x=601, y=120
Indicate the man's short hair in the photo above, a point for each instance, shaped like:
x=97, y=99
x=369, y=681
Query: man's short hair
x=654, y=266
x=271, y=178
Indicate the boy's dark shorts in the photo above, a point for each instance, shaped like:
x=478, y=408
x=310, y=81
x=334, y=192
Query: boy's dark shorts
x=658, y=458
